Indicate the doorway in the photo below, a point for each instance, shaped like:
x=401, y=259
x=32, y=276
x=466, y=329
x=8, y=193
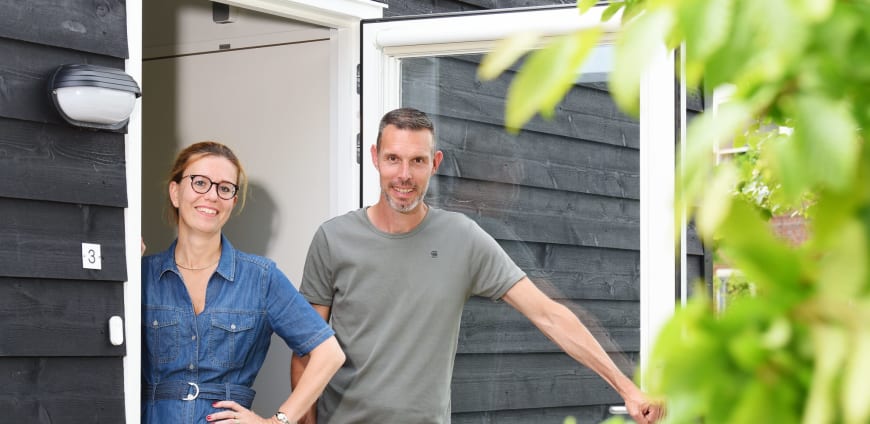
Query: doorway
x=260, y=84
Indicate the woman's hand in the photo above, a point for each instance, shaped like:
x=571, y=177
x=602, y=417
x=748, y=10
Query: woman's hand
x=235, y=414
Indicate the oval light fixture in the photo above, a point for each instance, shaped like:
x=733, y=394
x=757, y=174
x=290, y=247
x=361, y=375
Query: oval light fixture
x=93, y=96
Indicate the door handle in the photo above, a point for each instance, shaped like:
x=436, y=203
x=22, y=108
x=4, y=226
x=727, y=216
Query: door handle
x=618, y=410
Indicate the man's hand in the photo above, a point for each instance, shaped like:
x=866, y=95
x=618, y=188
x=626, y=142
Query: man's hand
x=643, y=411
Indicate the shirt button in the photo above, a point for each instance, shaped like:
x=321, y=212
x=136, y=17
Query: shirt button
x=192, y=337
x=232, y=327
x=191, y=367
x=155, y=323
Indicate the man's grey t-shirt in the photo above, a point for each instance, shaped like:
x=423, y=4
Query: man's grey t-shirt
x=396, y=304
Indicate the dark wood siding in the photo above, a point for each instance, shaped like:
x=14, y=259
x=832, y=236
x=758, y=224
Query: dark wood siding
x=96, y=26
x=72, y=389
x=699, y=258
x=62, y=186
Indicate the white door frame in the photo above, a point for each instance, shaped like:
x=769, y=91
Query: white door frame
x=133, y=224
x=386, y=42
x=343, y=18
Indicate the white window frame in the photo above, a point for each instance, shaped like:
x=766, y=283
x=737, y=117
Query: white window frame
x=386, y=42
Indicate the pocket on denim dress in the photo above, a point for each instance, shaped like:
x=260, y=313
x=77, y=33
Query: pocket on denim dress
x=231, y=337
x=161, y=334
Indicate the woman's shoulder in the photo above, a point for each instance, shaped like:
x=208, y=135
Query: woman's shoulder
x=155, y=259
x=254, y=259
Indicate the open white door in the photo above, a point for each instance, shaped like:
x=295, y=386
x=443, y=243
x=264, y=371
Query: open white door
x=583, y=202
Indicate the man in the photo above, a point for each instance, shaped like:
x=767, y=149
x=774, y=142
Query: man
x=392, y=279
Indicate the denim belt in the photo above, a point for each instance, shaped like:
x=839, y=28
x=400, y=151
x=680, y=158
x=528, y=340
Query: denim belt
x=185, y=390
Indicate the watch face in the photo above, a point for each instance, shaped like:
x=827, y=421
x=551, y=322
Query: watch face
x=281, y=417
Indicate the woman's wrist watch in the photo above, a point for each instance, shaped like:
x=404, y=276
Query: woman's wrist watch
x=282, y=418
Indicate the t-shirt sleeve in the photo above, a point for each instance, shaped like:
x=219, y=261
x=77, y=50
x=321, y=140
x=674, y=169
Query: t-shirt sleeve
x=292, y=317
x=317, y=275
x=493, y=271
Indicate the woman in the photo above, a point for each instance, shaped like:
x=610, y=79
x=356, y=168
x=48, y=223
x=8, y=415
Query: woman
x=209, y=310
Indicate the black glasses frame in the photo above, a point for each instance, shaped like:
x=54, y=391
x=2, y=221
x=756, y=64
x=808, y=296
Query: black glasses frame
x=221, y=186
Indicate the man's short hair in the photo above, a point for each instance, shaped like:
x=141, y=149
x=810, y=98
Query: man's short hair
x=406, y=118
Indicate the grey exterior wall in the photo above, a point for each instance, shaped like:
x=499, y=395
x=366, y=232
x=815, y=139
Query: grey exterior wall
x=62, y=186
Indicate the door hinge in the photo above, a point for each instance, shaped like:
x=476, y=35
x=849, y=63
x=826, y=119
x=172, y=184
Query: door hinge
x=358, y=149
x=358, y=79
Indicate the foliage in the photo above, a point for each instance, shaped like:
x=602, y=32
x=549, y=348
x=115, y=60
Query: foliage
x=733, y=288
x=799, y=351
x=755, y=183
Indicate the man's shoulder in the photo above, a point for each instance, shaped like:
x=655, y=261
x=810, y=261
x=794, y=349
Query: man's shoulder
x=451, y=218
x=350, y=218
x=342, y=226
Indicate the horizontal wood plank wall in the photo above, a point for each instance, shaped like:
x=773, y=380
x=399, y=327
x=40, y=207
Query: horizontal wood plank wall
x=62, y=389
x=96, y=26
x=60, y=164
x=58, y=317
x=562, y=198
x=24, y=78
x=62, y=186
x=43, y=240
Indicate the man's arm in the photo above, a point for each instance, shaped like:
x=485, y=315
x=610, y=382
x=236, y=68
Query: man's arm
x=297, y=367
x=561, y=326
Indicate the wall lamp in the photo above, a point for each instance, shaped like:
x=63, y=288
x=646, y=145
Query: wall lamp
x=93, y=96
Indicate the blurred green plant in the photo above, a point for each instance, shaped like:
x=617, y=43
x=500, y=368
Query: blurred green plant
x=730, y=289
x=798, y=351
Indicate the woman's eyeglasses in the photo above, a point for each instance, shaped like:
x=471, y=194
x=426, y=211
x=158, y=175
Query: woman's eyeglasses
x=202, y=184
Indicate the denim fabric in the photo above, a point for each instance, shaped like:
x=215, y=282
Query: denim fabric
x=247, y=299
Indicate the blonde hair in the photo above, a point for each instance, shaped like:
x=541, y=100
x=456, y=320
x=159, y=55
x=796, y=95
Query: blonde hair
x=195, y=152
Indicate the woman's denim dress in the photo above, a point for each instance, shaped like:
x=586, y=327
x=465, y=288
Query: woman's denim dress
x=190, y=361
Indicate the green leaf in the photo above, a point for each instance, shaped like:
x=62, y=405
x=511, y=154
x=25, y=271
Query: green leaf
x=778, y=334
x=747, y=350
x=584, y=5
x=827, y=136
x=856, y=408
x=843, y=268
x=707, y=23
x=703, y=134
x=716, y=200
x=635, y=48
x=746, y=239
x=753, y=404
x=611, y=10
x=814, y=10
x=832, y=210
x=788, y=166
x=546, y=76
x=505, y=53
x=830, y=345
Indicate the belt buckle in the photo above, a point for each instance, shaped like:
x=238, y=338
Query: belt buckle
x=194, y=395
